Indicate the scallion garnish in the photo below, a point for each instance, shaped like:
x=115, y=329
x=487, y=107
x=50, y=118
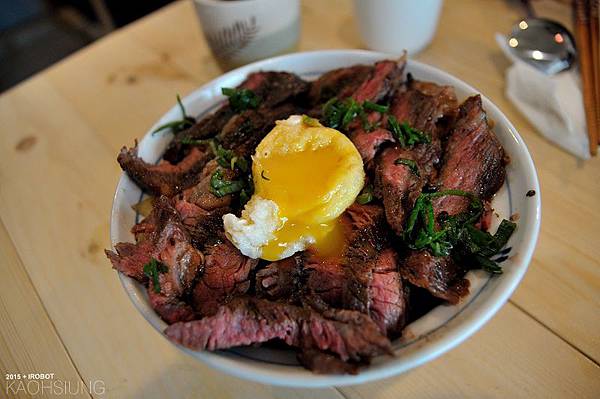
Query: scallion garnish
x=412, y=165
x=366, y=195
x=241, y=99
x=339, y=114
x=405, y=134
x=179, y=125
x=152, y=269
x=457, y=234
x=221, y=187
x=371, y=106
x=308, y=121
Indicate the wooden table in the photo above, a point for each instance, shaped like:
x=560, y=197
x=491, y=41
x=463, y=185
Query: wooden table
x=62, y=308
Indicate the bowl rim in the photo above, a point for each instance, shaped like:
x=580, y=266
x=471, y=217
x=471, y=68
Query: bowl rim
x=297, y=376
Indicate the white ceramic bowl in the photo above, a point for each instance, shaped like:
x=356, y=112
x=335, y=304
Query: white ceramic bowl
x=435, y=333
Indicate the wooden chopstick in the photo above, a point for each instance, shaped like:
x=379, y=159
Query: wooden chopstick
x=595, y=43
x=583, y=38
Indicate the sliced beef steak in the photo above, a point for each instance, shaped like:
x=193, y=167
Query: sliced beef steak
x=243, y=132
x=425, y=111
x=278, y=87
x=130, y=258
x=372, y=281
x=368, y=143
x=205, y=226
x=149, y=227
x=169, y=309
x=388, y=307
x=225, y=276
x=202, y=196
x=303, y=274
x=165, y=178
x=206, y=128
x=189, y=212
x=245, y=321
x=367, y=236
x=397, y=184
x=175, y=250
x=281, y=279
x=325, y=278
x=340, y=83
x=443, y=108
x=422, y=105
x=208, y=229
x=165, y=239
x=441, y=276
x=473, y=161
x=384, y=79
x=272, y=87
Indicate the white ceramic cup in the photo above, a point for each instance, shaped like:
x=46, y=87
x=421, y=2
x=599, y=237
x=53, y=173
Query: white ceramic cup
x=392, y=26
x=242, y=31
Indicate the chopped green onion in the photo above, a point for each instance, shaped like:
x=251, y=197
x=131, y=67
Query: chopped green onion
x=179, y=125
x=412, y=165
x=308, y=121
x=370, y=106
x=241, y=99
x=152, y=270
x=366, y=195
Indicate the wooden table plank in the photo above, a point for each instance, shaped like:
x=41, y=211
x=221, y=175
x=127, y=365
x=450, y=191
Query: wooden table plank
x=511, y=357
x=28, y=341
x=60, y=134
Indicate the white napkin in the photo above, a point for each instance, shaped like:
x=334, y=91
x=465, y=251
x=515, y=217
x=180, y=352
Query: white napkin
x=553, y=104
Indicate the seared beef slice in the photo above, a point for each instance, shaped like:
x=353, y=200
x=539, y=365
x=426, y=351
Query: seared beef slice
x=163, y=237
x=164, y=178
x=131, y=258
x=473, y=162
x=397, y=184
x=181, y=164
x=474, y=159
x=325, y=277
x=441, y=276
x=368, y=143
x=422, y=105
x=225, y=276
x=244, y=131
x=373, y=285
x=388, y=294
x=384, y=79
x=340, y=83
x=281, y=279
x=348, y=334
x=272, y=87
x=202, y=196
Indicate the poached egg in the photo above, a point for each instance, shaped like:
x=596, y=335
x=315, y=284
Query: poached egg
x=305, y=175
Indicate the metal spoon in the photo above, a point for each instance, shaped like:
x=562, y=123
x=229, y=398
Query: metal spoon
x=542, y=43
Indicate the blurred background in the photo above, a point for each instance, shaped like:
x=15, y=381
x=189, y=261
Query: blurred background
x=35, y=34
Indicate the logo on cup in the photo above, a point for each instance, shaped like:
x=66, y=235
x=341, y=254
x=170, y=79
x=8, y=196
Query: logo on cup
x=228, y=41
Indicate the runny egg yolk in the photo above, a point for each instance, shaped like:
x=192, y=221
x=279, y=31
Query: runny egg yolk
x=313, y=174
